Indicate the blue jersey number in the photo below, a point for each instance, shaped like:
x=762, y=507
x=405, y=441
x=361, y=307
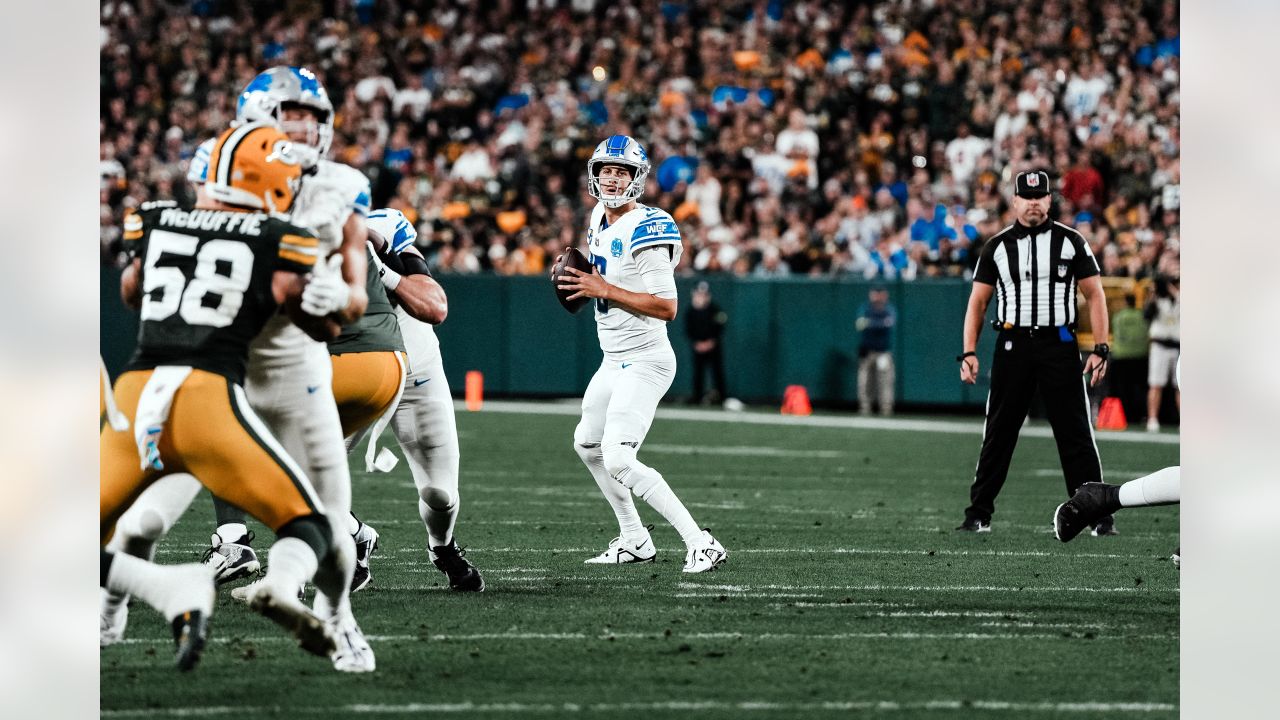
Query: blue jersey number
x=602, y=306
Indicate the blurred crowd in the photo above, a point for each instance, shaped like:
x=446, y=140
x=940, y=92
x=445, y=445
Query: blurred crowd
x=788, y=138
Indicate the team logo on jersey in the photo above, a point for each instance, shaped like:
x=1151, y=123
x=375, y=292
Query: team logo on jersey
x=616, y=247
x=1062, y=270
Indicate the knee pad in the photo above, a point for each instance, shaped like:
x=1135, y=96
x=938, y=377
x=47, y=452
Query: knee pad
x=312, y=529
x=617, y=461
x=437, y=499
x=621, y=464
x=589, y=452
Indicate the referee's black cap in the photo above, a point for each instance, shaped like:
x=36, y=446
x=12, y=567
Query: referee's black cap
x=1031, y=184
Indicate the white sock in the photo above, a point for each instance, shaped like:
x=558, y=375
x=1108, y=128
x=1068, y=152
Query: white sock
x=290, y=563
x=171, y=589
x=1162, y=487
x=653, y=489
x=619, y=497
x=353, y=524
x=232, y=532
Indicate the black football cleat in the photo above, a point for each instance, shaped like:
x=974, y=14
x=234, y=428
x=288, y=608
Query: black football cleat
x=190, y=630
x=975, y=525
x=463, y=576
x=1105, y=526
x=1092, y=504
x=366, y=539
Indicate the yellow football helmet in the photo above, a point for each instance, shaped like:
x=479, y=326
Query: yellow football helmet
x=255, y=166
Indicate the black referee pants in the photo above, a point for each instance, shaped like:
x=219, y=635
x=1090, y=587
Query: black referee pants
x=1025, y=361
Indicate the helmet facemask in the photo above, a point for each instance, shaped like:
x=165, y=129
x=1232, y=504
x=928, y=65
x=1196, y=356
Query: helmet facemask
x=633, y=190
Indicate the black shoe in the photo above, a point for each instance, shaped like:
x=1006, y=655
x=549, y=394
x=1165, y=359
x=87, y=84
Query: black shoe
x=366, y=539
x=360, y=578
x=1105, y=526
x=972, y=524
x=1092, y=504
x=189, y=632
x=463, y=576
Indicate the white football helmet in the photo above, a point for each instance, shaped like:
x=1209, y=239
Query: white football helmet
x=618, y=150
x=264, y=98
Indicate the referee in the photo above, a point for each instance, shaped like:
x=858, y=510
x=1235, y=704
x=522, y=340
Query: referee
x=1033, y=268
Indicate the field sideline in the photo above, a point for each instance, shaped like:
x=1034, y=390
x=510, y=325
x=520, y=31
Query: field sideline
x=846, y=590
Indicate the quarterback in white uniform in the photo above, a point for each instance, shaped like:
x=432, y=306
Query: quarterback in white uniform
x=423, y=421
x=635, y=249
x=289, y=381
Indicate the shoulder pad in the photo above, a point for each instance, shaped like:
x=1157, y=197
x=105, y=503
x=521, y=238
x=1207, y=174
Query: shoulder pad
x=351, y=181
x=198, y=169
x=656, y=227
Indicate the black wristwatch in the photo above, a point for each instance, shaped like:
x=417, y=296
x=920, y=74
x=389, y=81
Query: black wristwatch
x=1102, y=350
x=962, y=356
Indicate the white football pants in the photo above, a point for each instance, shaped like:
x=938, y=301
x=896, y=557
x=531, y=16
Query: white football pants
x=617, y=411
x=428, y=434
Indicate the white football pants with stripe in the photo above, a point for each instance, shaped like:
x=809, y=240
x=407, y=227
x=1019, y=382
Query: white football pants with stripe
x=617, y=411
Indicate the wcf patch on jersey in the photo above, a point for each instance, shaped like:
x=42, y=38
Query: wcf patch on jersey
x=615, y=248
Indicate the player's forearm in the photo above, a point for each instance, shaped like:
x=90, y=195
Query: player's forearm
x=131, y=285
x=423, y=298
x=643, y=303
x=973, y=323
x=355, y=266
x=1100, y=322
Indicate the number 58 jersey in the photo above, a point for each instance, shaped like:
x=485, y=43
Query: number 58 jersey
x=206, y=283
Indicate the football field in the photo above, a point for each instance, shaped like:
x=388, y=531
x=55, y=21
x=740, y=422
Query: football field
x=847, y=591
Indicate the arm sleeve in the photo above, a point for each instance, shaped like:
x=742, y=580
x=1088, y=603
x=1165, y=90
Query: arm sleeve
x=658, y=229
x=298, y=252
x=656, y=272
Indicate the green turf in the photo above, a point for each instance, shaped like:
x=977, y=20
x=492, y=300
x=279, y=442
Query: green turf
x=846, y=591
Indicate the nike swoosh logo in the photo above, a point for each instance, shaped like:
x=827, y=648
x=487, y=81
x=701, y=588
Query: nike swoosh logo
x=311, y=389
x=417, y=383
x=626, y=365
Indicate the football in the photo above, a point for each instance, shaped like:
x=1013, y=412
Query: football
x=570, y=258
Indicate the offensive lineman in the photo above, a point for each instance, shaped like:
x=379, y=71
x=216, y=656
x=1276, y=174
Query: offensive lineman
x=206, y=282
x=635, y=249
x=423, y=421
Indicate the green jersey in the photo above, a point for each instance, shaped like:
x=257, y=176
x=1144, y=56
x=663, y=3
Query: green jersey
x=206, y=282
x=376, y=331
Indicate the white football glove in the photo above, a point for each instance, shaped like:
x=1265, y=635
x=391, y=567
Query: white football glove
x=327, y=292
x=390, y=278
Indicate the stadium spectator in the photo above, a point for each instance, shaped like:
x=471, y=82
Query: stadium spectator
x=825, y=109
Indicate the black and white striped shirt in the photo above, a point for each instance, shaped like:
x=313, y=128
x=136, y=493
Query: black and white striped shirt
x=1035, y=271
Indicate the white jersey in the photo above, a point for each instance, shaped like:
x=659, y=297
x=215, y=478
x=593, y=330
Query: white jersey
x=612, y=249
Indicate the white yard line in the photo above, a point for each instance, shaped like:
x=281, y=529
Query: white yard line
x=962, y=427
x=607, y=637
x=965, y=708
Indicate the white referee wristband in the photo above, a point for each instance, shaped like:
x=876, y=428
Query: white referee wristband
x=390, y=278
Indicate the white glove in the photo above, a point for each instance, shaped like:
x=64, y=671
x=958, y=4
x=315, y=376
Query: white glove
x=327, y=292
x=390, y=278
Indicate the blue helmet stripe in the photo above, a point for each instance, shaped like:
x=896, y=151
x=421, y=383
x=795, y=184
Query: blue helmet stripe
x=616, y=144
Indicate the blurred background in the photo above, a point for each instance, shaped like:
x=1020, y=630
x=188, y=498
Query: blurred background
x=810, y=151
